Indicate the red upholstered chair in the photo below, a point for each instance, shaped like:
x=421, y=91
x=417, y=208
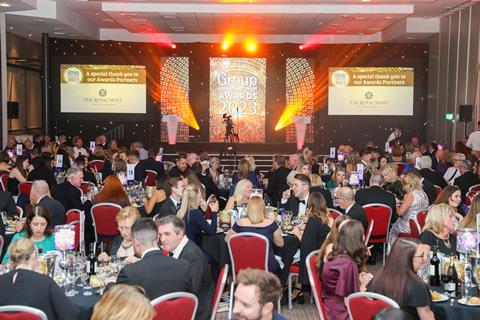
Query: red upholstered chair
x=19, y=212
x=25, y=187
x=14, y=312
x=222, y=280
x=176, y=305
x=96, y=165
x=151, y=178
x=414, y=230
x=438, y=189
x=475, y=187
x=293, y=272
x=2, y=241
x=364, y=305
x=368, y=234
x=400, y=167
x=104, y=222
x=381, y=214
x=247, y=250
x=76, y=225
x=73, y=215
x=421, y=218
x=315, y=284
x=4, y=182
x=4, y=171
x=85, y=186
x=334, y=213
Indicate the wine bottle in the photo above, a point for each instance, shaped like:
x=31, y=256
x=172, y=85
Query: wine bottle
x=435, y=268
x=91, y=264
x=453, y=284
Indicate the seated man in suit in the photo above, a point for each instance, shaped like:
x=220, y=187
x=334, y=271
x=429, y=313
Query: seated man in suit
x=277, y=179
x=134, y=158
x=172, y=204
x=171, y=232
x=301, y=189
x=467, y=178
x=181, y=166
x=156, y=273
x=346, y=201
x=375, y=194
x=428, y=173
x=40, y=194
x=152, y=164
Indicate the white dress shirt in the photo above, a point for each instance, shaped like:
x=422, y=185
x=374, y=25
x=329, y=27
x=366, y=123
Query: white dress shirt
x=473, y=141
x=178, y=250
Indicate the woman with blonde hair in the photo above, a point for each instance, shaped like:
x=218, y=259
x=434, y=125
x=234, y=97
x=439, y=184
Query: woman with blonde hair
x=415, y=200
x=123, y=302
x=241, y=195
x=438, y=229
x=245, y=170
x=122, y=245
x=24, y=286
x=257, y=222
x=318, y=186
x=470, y=219
x=304, y=167
x=195, y=222
x=392, y=182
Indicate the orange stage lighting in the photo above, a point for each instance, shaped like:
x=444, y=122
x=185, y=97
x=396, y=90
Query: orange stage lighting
x=251, y=45
x=174, y=46
x=227, y=42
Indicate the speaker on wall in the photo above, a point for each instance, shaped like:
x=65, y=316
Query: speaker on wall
x=465, y=114
x=12, y=109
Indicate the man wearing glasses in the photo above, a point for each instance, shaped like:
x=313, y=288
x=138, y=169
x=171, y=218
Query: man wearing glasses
x=346, y=201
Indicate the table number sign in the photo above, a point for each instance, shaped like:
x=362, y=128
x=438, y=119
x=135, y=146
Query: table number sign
x=130, y=172
x=59, y=161
x=92, y=146
x=19, y=150
x=332, y=152
x=326, y=169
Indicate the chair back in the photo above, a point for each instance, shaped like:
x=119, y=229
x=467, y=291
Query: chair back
x=421, y=218
x=85, y=186
x=4, y=171
x=400, y=167
x=2, y=241
x=475, y=187
x=76, y=225
x=438, y=189
x=25, y=187
x=104, y=222
x=334, y=213
x=364, y=305
x=381, y=214
x=73, y=215
x=96, y=165
x=15, y=312
x=368, y=234
x=248, y=250
x=19, y=212
x=151, y=178
x=222, y=280
x=315, y=284
x=4, y=182
x=177, y=305
x=414, y=230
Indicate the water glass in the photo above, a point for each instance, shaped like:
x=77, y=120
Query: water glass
x=4, y=217
x=87, y=287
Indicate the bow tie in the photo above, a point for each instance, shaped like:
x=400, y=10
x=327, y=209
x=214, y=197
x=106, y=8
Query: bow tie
x=301, y=201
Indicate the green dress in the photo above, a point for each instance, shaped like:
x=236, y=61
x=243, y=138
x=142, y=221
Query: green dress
x=47, y=244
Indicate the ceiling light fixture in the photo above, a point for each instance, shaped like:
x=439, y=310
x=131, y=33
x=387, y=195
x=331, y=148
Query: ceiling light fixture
x=4, y=4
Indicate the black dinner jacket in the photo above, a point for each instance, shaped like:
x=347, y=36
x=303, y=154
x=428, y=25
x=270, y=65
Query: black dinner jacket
x=139, y=172
x=167, y=208
x=429, y=190
x=56, y=210
x=157, y=274
x=434, y=177
x=7, y=204
x=356, y=212
x=277, y=183
x=200, y=277
x=291, y=205
x=68, y=195
x=375, y=194
x=154, y=165
x=465, y=181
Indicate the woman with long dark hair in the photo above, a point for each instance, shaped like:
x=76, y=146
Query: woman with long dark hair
x=18, y=173
x=452, y=196
x=398, y=279
x=341, y=271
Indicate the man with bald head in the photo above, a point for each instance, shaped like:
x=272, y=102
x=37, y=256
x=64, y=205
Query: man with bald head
x=40, y=194
x=375, y=194
x=346, y=200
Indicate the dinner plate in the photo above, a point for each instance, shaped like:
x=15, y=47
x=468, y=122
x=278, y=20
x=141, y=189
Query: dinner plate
x=465, y=303
x=442, y=298
x=220, y=230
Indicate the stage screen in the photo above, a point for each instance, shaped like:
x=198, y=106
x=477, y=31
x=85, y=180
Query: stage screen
x=88, y=88
x=370, y=91
x=237, y=88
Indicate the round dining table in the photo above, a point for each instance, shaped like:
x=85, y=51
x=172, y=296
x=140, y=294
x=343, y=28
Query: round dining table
x=447, y=310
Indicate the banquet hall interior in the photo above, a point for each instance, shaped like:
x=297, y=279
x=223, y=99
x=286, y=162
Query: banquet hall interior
x=240, y=159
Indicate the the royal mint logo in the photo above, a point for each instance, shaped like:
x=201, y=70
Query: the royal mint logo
x=102, y=92
x=368, y=95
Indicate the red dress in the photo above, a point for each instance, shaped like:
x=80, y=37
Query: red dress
x=339, y=279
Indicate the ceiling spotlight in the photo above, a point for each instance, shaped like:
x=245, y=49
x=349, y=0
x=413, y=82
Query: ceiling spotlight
x=227, y=42
x=251, y=45
x=4, y=4
x=301, y=47
x=173, y=46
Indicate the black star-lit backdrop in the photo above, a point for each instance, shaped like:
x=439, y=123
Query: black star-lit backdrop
x=327, y=130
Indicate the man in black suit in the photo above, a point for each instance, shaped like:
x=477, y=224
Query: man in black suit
x=134, y=158
x=181, y=166
x=301, y=189
x=40, y=194
x=171, y=232
x=467, y=178
x=346, y=201
x=156, y=273
x=172, y=204
x=7, y=204
x=432, y=176
x=427, y=186
x=151, y=164
x=277, y=179
x=375, y=194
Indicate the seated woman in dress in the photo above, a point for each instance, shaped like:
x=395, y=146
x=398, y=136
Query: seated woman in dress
x=122, y=245
x=304, y=167
x=339, y=179
x=318, y=186
x=43, y=171
x=415, y=200
x=399, y=281
x=195, y=222
x=470, y=219
x=313, y=233
x=18, y=173
x=112, y=192
x=327, y=245
x=244, y=171
x=152, y=205
x=256, y=222
x=392, y=181
x=452, y=196
x=382, y=162
x=438, y=230
x=37, y=228
x=341, y=272
x=241, y=195
x=23, y=286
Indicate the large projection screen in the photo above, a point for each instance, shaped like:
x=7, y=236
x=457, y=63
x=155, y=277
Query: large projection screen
x=237, y=88
x=88, y=88
x=370, y=91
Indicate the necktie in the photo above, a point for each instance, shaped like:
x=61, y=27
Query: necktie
x=170, y=254
x=178, y=205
